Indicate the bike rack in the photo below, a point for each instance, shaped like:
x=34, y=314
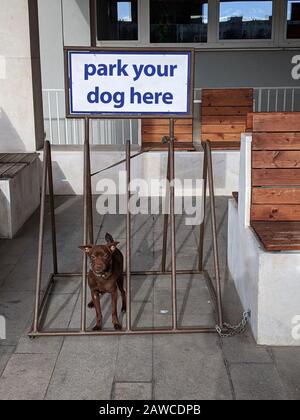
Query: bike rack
x=214, y=287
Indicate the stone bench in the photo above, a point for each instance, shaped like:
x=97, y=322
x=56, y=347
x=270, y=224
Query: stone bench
x=19, y=190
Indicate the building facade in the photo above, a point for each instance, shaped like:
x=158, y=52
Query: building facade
x=237, y=44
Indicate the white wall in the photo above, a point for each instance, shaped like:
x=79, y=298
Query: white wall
x=17, y=122
x=68, y=168
x=76, y=22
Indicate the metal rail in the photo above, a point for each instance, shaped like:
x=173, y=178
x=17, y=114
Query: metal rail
x=215, y=289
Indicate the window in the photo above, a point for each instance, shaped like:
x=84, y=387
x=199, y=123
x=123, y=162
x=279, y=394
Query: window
x=179, y=21
x=117, y=20
x=293, y=20
x=245, y=20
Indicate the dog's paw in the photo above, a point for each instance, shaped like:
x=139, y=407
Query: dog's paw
x=91, y=304
x=117, y=326
x=97, y=328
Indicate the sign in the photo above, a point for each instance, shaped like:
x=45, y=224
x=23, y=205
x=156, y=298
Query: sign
x=132, y=83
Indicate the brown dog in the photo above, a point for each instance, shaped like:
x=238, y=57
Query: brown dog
x=105, y=276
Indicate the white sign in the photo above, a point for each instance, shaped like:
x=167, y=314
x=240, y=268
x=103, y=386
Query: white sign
x=129, y=82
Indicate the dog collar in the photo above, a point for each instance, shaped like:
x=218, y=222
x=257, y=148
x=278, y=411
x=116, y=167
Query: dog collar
x=102, y=275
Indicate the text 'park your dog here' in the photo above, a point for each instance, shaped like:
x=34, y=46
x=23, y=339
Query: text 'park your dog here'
x=108, y=83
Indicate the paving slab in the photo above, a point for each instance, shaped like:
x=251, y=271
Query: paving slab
x=5, y=354
x=189, y=366
x=16, y=307
x=287, y=361
x=252, y=381
x=26, y=376
x=59, y=312
x=84, y=370
x=134, y=359
x=242, y=348
x=132, y=391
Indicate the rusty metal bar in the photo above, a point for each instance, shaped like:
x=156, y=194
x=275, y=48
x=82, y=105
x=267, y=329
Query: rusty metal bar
x=128, y=239
x=89, y=186
x=172, y=220
x=215, y=291
x=214, y=233
x=202, y=226
x=45, y=298
x=85, y=225
x=41, y=239
x=196, y=330
x=52, y=210
x=138, y=273
x=166, y=220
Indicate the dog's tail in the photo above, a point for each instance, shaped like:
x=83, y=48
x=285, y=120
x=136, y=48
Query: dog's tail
x=109, y=239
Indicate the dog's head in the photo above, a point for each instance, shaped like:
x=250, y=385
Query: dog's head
x=100, y=256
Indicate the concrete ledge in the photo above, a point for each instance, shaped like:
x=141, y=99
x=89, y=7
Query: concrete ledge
x=267, y=283
x=19, y=198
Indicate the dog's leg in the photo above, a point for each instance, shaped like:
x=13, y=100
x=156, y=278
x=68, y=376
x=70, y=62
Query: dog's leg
x=91, y=304
x=96, y=302
x=120, y=282
x=114, y=301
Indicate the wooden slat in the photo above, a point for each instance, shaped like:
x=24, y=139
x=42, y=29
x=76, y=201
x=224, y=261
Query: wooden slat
x=279, y=236
x=275, y=177
x=276, y=159
x=227, y=97
x=4, y=167
x=29, y=158
x=275, y=212
x=228, y=91
x=165, y=122
x=276, y=141
x=230, y=100
x=14, y=157
x=223, y=119
x=160, y=129
x=276, y=121
x=153, y=130
x=159, y=146
x=153, y=137
x=16, y=168
x=225, y=110
x=221, y=137
x=2, y=157
x=232, y=128
x=275, y=195
x=225, y=145
x=18, y=157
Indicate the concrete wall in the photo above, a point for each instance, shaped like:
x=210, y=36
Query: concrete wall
x=66, y=23
x=19, y=198
x=68, y=168
x=17, y=120
x=219, y=69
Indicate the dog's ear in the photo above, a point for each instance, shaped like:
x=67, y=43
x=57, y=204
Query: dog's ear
x=86, y=248
x=112, y=247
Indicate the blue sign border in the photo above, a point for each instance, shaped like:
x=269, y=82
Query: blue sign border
x=121, y=114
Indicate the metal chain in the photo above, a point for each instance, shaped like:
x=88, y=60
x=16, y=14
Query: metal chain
x=229, y=330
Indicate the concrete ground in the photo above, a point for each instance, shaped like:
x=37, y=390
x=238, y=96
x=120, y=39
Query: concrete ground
x=185, y=366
